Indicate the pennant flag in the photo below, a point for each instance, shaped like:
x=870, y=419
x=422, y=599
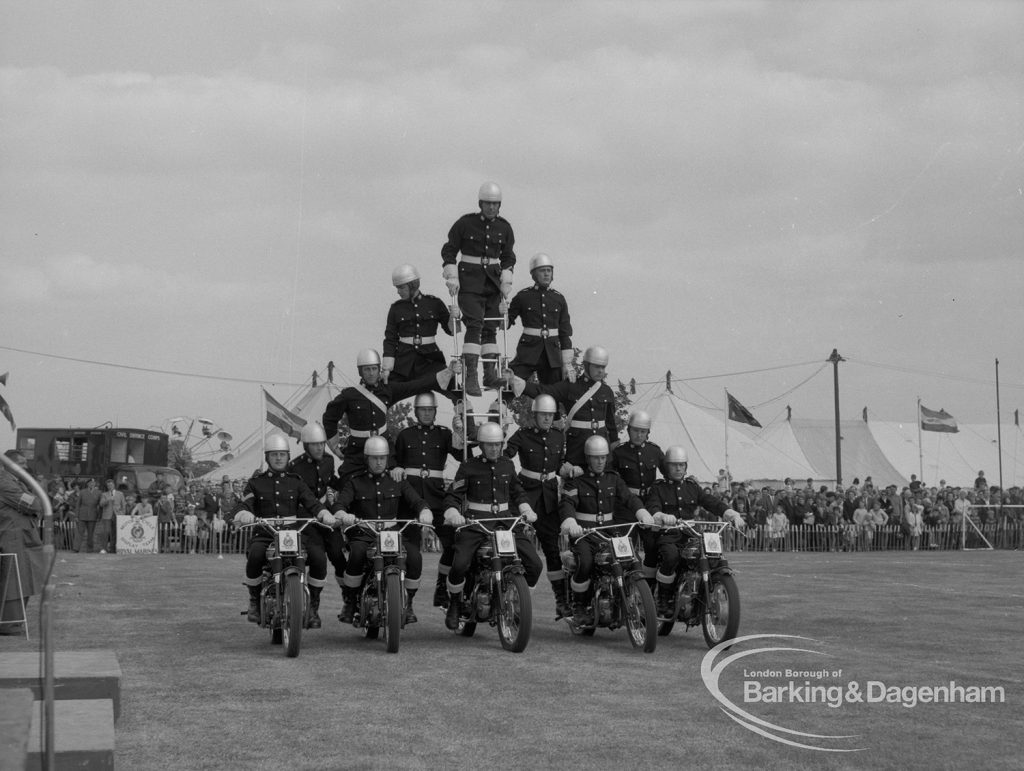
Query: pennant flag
x=937, y=421
x=6, y=412
x=282, y=417
x=739, y=413
x=3, y=378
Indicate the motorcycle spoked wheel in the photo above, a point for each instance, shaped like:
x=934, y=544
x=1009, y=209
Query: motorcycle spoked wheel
x=640, y=614
x=515, y=617
x=276, y=635
x=665, y=627
x=393, y=610
x=721, y=619
x=292, y=615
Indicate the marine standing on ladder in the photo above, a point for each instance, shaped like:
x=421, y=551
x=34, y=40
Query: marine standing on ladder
x=638, y=461
x=410, y=336
x=545, y=345
x=482, y=279
x=541, y=451
x=591, y=404
x=421, y=453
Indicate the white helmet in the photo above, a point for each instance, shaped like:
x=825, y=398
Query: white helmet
x=276, y=442
x=404, y=274
x=544, y=403
x=639, y=419
x=425, y=399
x=312, y=433
x=367, y=358
x=489, y=191
x=489, y=432
x=540, y=260
x=376, y=445
x=676, y=454
x=596, y=445
x=595, y=354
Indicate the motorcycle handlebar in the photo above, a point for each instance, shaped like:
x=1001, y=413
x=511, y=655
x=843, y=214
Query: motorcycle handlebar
x=368, y=524
x=278, y=523
x=470, y=522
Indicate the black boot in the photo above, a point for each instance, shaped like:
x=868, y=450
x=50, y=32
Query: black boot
x=491, y=379
x=410, y=617
x=441, y=592
x=451, y=618
x=666, y=599
x=254, y=605
x=470, y=376
x=314, y=607
x=561, y=606
x=348, y=605
x=581, y=608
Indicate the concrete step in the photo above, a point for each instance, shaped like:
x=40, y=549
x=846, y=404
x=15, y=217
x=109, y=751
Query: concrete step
x=83, y=735
x=15, y=723
x=88, y=674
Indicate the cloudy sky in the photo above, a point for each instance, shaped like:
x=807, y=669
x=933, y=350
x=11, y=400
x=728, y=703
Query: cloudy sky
x=222, y=189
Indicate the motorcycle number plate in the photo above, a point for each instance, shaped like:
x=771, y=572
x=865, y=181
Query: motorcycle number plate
x=505, y=543
x=387, y=542
x=622, y=547
x=712, y=543
x=287, y=542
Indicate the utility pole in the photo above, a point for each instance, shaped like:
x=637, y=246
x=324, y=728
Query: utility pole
x=835, y=358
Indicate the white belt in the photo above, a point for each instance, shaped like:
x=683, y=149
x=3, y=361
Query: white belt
x=634, y=490
x=536, y=332
x=365, y=434
x=425, y=340
x=595, y=425
x=540, y=476
x=490, y=508
x=424, y=472
x=485, y=261
x=580, y=516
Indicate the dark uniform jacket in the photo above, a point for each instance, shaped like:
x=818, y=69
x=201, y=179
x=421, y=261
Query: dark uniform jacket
x=681, y=499
x=546, y=311
x=423, y=452
x=476, y=236
x=316, y=474
x=541, y=454
x=599, y=499
x=596, y=416
x=483, y=489
x=638, y=465
x=409, y=323
x=279, y=494
x=370, y=496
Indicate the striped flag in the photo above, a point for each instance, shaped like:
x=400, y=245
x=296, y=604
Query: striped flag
x=739, y=413
x=5, y=410
x=938, y=421
x=280, y=416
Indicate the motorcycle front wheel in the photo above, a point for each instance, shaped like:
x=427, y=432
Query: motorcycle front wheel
x=292, y=614
x=641, y=614
x=394, y=607
x=721, y=619
x=515, y=618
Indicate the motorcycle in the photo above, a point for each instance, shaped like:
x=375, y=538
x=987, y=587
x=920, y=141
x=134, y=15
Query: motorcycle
x=496, y=590
x=284, y=594
x=382, y=597
x=620, y=594
x=705, y=589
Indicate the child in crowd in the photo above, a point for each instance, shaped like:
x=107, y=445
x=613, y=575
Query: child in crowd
x=140, y=507
x=218, y=527
x=778, y=526
x=190, y=529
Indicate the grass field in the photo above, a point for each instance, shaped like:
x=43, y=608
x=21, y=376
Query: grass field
x=204, y=689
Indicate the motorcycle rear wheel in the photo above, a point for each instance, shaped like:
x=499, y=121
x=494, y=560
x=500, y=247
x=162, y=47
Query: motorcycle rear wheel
x=515, y=617
x=640, y=614
x=721, y=619
x=292, y=615
x=394, y=609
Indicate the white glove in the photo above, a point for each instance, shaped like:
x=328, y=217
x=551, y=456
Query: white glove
x=506, y=283
x=398, y=474
x=450, y=273
x=453, y=517
x=643, y=516
x=245, y=518
x=455, y=312
x=734, y=518
x=527, y=512
x=661, y=518
x=387, y=364
x=345, y=518
x=567, y=470
x=568, y=371
x=572, y=528
x=426, y=517
x=327, y=518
